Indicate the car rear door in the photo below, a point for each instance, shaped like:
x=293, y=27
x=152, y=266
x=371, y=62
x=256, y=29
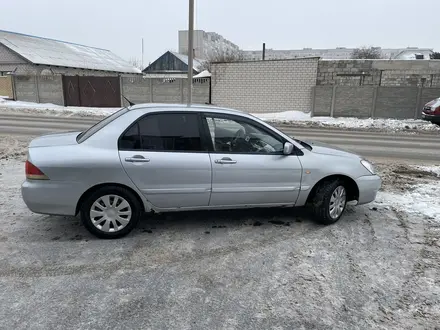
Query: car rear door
x=162, y=154
x=250, y=168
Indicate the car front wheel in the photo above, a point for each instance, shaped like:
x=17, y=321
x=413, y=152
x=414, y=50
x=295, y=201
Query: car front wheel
x=111, y=212
x=329, y=201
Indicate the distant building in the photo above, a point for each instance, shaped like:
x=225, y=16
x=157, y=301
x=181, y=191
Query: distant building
x=172, y=63
x=206, y=44
x=43, y=70
x=340, y=53
x=27, y=54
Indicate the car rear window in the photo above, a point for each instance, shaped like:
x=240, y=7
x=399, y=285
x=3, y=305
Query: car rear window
x=99, y=125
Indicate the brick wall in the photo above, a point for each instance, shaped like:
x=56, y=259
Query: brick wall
x=399, y=73
x=265, y=86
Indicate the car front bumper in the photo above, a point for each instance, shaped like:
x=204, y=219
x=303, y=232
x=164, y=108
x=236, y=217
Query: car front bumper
x=51, y=197
x=368, y=186
x=432, y=118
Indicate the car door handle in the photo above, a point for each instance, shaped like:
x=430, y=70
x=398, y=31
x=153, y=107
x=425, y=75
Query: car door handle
x=225, y=160
x=137, y=159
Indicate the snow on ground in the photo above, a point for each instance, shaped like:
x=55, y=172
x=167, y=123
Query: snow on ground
x=421, y=199
x=411, y=189
x=294, y=118
x=298, y=117
x=52, y=109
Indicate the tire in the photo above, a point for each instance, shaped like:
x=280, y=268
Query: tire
x=322, y=201
x=120, y=210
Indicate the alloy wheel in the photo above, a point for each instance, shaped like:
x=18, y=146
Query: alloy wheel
x=337, y=202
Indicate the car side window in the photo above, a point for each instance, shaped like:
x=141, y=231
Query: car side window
x=164, y=132
x=237, y=136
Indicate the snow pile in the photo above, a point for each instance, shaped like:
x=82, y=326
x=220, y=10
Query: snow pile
x=433, y=169
x=420, y=198
x=53, y=109
x=299, y=118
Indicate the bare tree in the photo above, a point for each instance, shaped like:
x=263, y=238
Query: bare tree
x=136, y=63
x=220, y=55
x=367, y=53
x=435, y=56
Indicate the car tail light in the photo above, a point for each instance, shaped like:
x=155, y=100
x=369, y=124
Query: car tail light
x=34, y=173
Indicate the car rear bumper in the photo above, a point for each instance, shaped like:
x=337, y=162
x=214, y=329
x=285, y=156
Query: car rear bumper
x=368, y=186
x=432, y=118
x=51, y=197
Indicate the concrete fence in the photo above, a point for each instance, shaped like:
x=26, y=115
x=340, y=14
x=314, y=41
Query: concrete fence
x=369, y=101
x=164, y=90
x=40, y=89
x=49, y=89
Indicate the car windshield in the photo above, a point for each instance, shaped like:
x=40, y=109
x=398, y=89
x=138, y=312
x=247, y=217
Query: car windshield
x=95, y=128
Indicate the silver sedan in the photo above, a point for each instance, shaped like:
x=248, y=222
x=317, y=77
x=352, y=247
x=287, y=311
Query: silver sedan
x=163, y=158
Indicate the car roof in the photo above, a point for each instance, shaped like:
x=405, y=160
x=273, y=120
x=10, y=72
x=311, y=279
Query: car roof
x=185, y=107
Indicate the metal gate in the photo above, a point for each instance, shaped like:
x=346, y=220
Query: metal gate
x=6, y=87
x=89, y=91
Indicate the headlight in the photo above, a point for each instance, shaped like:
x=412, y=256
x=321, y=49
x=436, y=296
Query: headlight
x=368, y=166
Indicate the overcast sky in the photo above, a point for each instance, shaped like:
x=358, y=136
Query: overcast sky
x=282, y=24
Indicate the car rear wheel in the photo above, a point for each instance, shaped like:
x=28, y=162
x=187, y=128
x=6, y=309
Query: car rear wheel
x=111, y=212
x=329, y=201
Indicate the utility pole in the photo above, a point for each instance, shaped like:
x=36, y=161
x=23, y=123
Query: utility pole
x=190, y=50
x=142, y=59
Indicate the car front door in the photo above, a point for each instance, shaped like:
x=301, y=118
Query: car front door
x=162, y=154
x=248, y=164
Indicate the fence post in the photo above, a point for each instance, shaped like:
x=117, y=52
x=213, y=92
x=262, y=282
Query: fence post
x=373, y=107
x=332, y=109
x=60, y=77
x=121, y=87
x=151, y=90
x=14, y=91
x=312, y=111
x=418, y=105
x=37, y=89
x=210, y=90
x=181, y=90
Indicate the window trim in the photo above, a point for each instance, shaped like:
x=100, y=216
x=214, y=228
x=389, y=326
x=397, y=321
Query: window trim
x=83, y=136
x=136, y=122
x=295, y=152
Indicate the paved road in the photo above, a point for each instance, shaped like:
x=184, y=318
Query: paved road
x=422, y=148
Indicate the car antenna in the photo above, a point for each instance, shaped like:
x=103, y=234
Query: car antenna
x=129, y=102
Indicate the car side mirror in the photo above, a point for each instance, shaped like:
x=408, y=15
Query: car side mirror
x=288, y=148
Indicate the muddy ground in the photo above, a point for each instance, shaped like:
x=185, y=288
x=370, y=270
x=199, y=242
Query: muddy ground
x=377, y=268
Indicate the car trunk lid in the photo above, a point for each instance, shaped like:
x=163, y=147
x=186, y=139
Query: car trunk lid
x=55, y=139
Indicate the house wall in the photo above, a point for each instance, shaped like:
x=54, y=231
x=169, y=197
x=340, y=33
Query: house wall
x=9, y=61
x=9, y=57
x=265, y=86
x=167, y=62
x=415, y=73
